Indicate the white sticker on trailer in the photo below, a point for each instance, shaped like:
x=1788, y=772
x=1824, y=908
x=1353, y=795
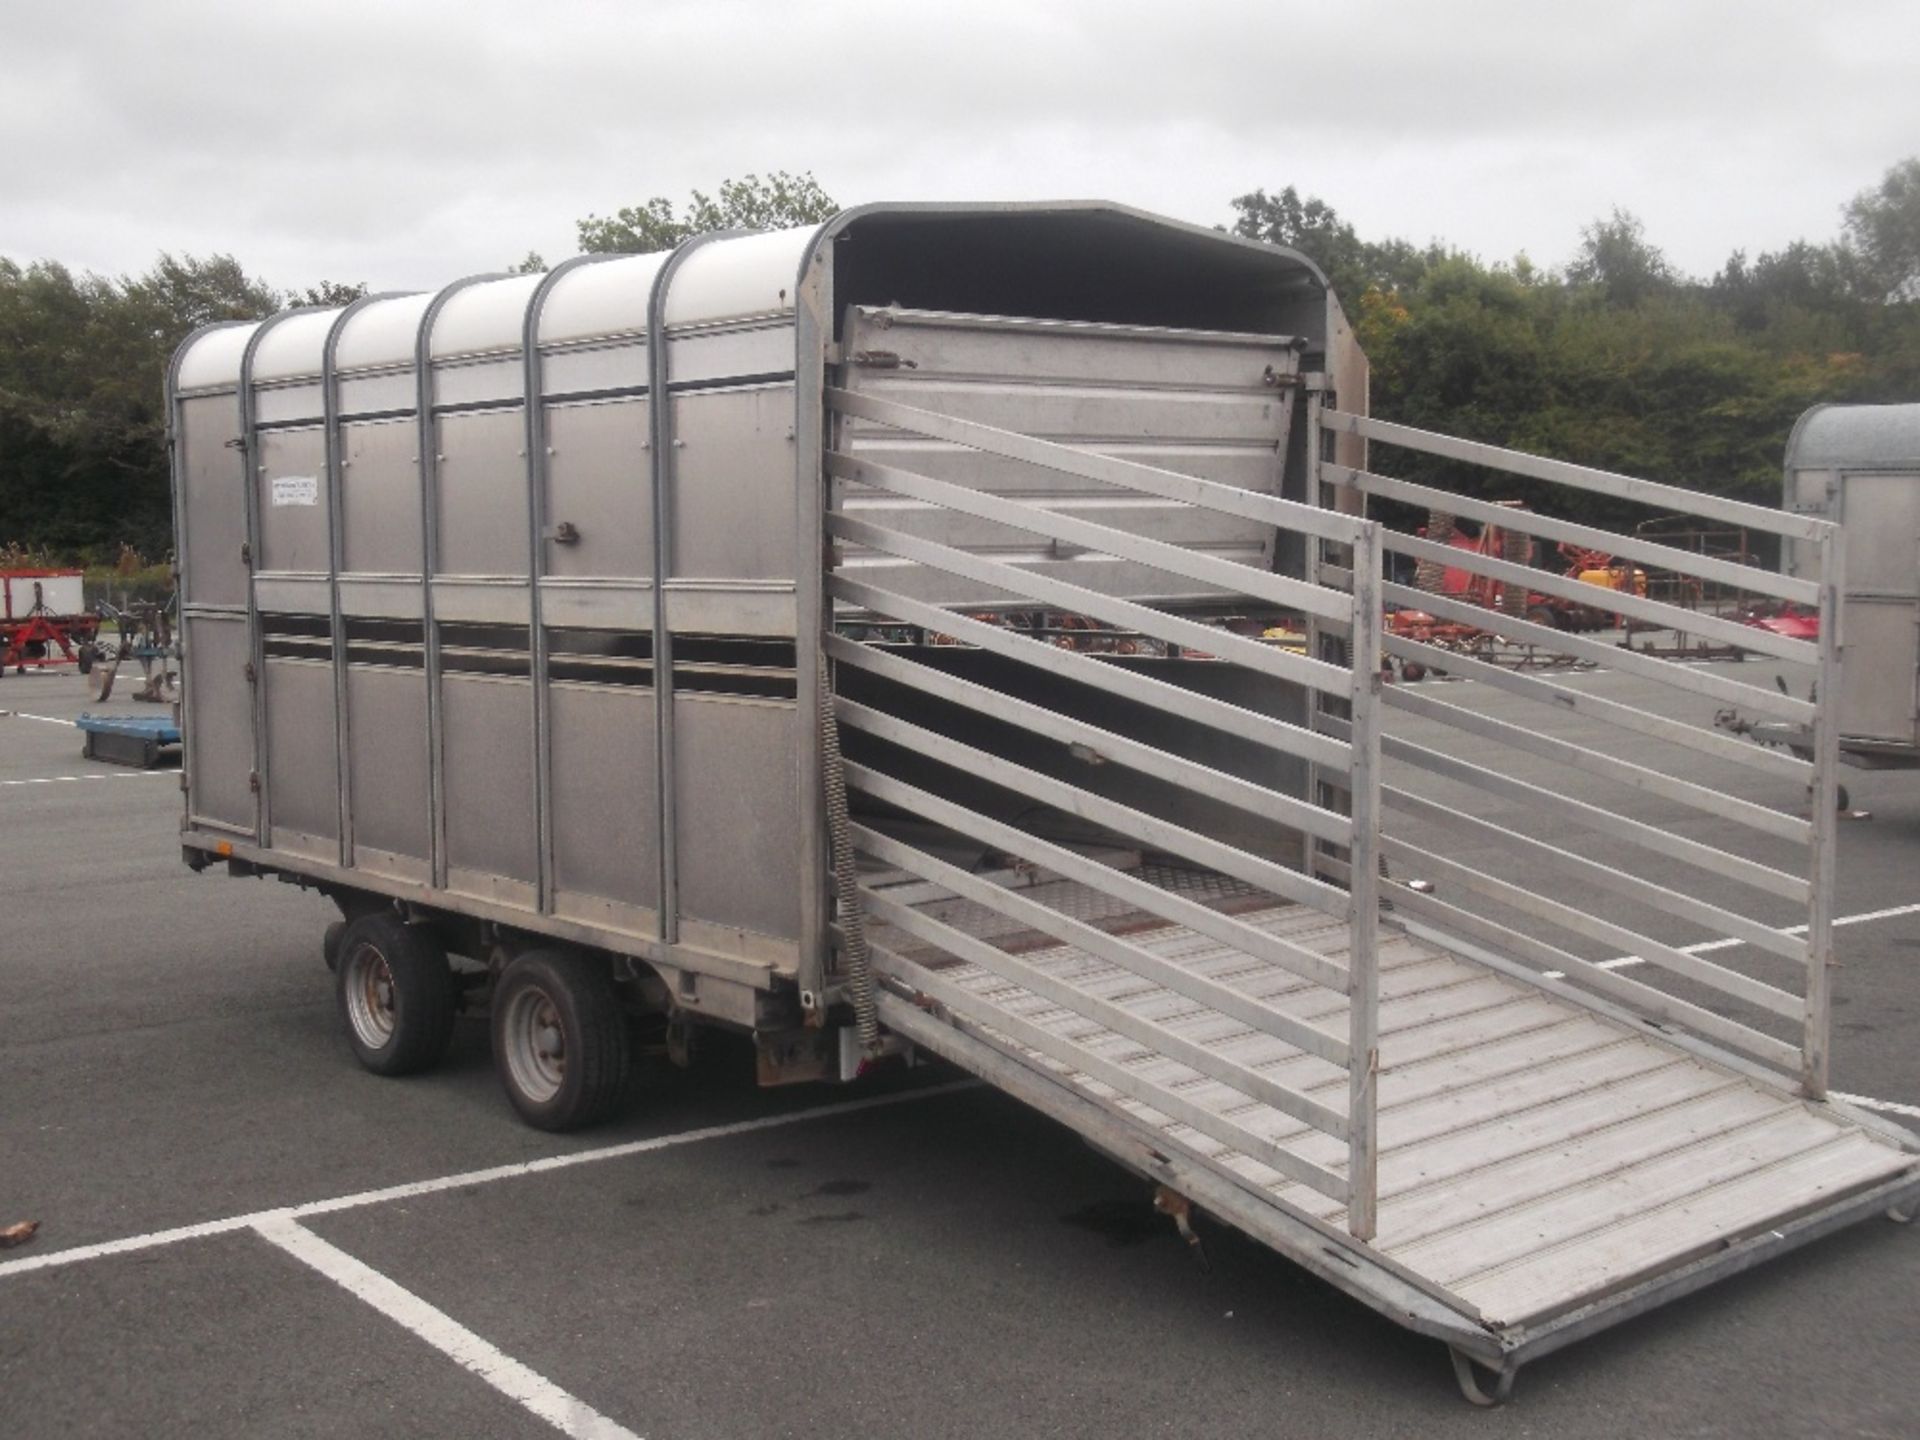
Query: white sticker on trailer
x=296, y=490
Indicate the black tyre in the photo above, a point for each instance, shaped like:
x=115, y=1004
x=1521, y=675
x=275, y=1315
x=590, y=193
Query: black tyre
x=1842, y=801
x=330, y=944
x=396, y=993
x=559, y=1039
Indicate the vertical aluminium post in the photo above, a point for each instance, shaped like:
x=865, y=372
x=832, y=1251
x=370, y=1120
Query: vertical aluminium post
x=183, y=581
x=535, y=418
x=261, y=779
x=1311, y=550
x=336, y=464
x=429, y=443
x=660, y=427
x=1814, y=1046
x=1363, y=967
x=1363, y=654
x=812, y=611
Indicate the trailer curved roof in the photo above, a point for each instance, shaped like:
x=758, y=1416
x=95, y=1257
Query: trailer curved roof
x=1856, y=437
x=1086, y=214
x=601, y=300
x=477, y=319
x=291, y=347
x=738, y=277
x=211, y=356
x=381, y=332
x=732, y=278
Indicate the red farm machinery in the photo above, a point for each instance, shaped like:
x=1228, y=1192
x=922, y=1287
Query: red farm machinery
x=44, y=619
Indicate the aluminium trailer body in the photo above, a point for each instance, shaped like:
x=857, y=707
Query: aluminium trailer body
x=493, y=602
x=1859, y=466
x=855, y=636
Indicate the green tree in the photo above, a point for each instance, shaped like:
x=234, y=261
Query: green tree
x=83, y=467
x=1619, y=360
x=1314, y=228
x=1616, y=259
x=1309, y=225
x=1883, y=230
x=329, y=294
x=186, y=292
x=1801, y=280
x=752, y=202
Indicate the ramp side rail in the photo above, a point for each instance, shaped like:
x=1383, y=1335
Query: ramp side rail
x=1347, y=1041
x=1746, y=1005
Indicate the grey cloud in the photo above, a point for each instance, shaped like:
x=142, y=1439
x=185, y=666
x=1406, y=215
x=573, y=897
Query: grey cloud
x=402, y=143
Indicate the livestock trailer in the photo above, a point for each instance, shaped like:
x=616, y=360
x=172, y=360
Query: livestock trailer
x=1859, y=466
x=859, y=636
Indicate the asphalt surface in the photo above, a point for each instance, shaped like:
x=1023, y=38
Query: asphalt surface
x=947, y=1265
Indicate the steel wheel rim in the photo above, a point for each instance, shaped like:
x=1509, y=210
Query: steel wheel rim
x=536, y=1045
x=371, y=1006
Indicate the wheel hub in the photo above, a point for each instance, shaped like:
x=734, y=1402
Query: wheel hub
x=370, y=996
x=536, y=1046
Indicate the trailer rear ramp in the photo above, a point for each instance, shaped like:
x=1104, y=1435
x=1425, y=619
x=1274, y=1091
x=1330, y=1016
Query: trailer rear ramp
x=1128, y=867
x=1536, y=1159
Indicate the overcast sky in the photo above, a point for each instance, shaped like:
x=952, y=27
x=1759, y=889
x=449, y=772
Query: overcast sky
x=404, y=142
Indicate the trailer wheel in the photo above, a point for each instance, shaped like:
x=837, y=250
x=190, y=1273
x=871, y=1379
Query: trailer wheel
x=330, y=944
x=559, y=1039
x=396, y=992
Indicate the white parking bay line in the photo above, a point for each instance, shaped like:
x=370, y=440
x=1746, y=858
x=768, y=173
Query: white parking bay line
x=568, y=1415
x=103, y=775
x=1622, y=962
x=43, y=719
x=1867, y=1102
x=206, y=1228
x=1704, y=947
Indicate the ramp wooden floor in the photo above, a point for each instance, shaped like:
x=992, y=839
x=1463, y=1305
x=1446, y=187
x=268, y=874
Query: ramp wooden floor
x=1534, y=1154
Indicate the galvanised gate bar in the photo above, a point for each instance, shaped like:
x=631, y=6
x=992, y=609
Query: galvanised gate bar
x=958, y=628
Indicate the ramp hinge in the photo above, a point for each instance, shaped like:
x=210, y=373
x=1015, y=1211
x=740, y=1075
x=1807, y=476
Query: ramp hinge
x=1169, y=1201
x=246, y=553
x=882, y=360
x=251, y=674
x=253, y=781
